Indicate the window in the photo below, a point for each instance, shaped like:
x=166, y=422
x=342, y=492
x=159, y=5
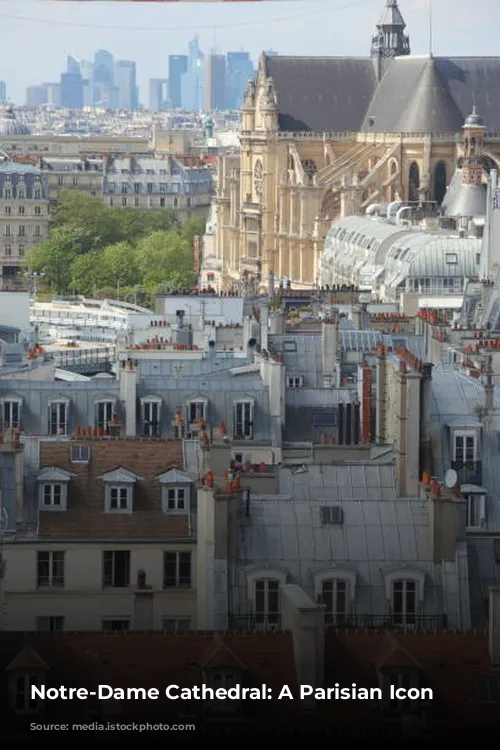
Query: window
x=58, y=418
x=8, y=249
x=22, y=231
x=267, y=605
x=464, y=448
x=151, y=418
x=20, y=250
x=104, y=412
x=124, y=201
x=21, y=210
x=334, y=598
x=112, y=625
x=331, y=514
x=404, y=602
x=7, y=230
x=38, y=210
x=75, y=181
x=176, y=624
x=243, y=420
x=451, y=258
x=22, y=699
x=176, y=498
x=37, y=231
x=136, y=201
x=225, y=680
x=476, y=510
x=400, y=681
x=295, y=382
x=50, y=569
x=80, y=454
x=197, y=410
x=8, y=210
x=52, y=495
x=177, y=570
x=116, y=568
x=289, y=346
x=11, y=413
x=37, y=194
x=119, y=498
x=51, y=624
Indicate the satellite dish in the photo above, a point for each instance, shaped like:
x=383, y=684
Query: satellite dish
x=451, y=478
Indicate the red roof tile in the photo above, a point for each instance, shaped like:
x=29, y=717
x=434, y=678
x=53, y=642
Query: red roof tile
x=85, y=517
x=27, y=659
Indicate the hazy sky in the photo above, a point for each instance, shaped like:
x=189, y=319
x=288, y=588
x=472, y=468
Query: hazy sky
x=36, y=35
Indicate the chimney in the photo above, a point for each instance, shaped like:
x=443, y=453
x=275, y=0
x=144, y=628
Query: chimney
x=329, y=345
x=425, y=418
x=357, y=317
x=306, y=621
x=489, y=388
x=270, y=285
x=128, y=396
x=380, y=395
x=264, y=326
x=365, y=398
x=494, y=627
x=277, y=322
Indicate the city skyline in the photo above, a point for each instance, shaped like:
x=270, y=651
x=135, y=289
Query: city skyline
x=142, y=31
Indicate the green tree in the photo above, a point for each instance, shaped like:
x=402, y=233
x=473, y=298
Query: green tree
x=165, y=258
x=85, y=273
x=79, y=209
x=118, y=265
x=54, y=257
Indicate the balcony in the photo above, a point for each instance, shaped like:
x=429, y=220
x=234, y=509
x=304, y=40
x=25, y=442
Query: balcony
x=254, y=622
x=386, y=622
x=469, y=472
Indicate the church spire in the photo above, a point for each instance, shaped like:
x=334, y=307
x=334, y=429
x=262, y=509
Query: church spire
x=390, y=39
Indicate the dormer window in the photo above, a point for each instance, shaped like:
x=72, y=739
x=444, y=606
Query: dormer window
x=404, y=588
x=53, y=488
x=243, y=419
x=119, y=490
x=334, y=588
x=295, y=381
x=104, y=411
x=175, y=492
x=22, y=700
x=465, y=447
x=11, y=412
x=58, y=417
x=196, y=410
x=223, y=679
x=150, y=415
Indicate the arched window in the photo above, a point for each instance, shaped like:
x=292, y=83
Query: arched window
x=440, y=182
x=414, y=183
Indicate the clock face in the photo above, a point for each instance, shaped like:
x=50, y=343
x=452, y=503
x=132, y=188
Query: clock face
x=257, y=177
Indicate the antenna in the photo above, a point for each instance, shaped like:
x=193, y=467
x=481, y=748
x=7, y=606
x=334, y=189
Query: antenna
x=430, y=28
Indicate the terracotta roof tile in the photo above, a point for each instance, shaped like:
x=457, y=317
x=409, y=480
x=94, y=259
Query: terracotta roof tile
x=220, y=655
x=85, y=517
x=393, y=654
x=27, y=658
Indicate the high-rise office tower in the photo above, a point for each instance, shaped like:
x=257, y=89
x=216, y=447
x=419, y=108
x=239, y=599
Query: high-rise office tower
x=103, y=67
x=239, y=71
x=72, y=65
x=215, y=82
x=192, y=80
x=53, y=93
x=87, y=71
x=158, y=94
x=72, y=90
x=36, y=95
x=125, y=82
x=177, y=66
x=3, y=92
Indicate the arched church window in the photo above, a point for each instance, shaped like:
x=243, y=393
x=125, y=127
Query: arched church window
x=414, y=183
x=440, y=182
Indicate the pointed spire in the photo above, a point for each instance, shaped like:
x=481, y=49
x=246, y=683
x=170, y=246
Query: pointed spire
x=390, y=39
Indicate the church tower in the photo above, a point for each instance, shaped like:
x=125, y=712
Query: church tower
x=472, y=164
x=390, y=39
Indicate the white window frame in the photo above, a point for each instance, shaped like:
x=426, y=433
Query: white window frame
x=76, y=456
x=49, y=622
x=476, y=510
x=151, y=427
x=120, y=491
x=201, y=408
x=176, y=620
x=295, y=381
x=28, y=680
x=247, y=425
x=62, y=424
x=178, y=585
x=113, y=585
x=42, y=496
x=8, y=407
x=109, y=408
x=255, y=575
x=52, y=568
x=464, y=434
x=395, y=575
x=177, y=489
x=348, y=577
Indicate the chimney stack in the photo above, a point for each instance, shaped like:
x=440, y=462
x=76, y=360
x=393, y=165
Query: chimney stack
x=128, y=396
x=329, y=345
x=494, y=626
x=489, y=389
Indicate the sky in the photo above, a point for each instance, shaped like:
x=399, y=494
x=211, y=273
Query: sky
x=37, y=35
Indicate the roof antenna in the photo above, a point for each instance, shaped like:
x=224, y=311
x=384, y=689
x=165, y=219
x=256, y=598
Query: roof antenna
x=474, y=102
x=430, y=28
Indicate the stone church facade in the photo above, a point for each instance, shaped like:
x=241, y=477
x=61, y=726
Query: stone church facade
x=324, y=138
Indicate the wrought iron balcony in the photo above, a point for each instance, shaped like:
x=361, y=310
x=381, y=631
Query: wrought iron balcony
x=405, y=622
x=254, y=622
x=469, y=472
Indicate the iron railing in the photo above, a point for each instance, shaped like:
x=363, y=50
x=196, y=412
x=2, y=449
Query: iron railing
x=370, y=622
x=469, y=472
x=254, y=622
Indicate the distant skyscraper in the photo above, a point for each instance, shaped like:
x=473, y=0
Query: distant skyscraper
x=239, y=71
x=72, y=90
x=192, y=80
x=103, y=67
x=36, y=95
x=53, y=93
x=215, y=82
x=3, y=92
x=158, y=94
x=107, y=96
x=177, y=66
x=125, y=81
x=87, y=71
x=72, y=65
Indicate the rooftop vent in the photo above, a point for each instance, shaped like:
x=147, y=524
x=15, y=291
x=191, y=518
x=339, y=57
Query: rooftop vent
x=331, y=514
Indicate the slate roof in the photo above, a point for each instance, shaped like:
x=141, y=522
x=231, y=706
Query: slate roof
x=416, y=94
x=85, y=517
